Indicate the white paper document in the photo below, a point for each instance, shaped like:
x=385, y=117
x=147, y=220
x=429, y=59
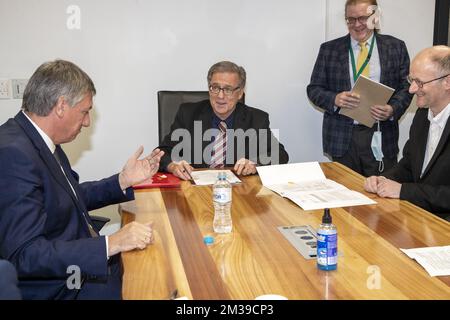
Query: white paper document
x=209, y=177
x=435, y=260
x=306, y=185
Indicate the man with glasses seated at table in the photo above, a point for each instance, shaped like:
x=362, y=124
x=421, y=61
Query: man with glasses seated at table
x=340, y=62
x=421, y=176
x=221, y=131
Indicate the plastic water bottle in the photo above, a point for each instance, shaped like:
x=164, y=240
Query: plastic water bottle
x=327, y=243
x=222, y=204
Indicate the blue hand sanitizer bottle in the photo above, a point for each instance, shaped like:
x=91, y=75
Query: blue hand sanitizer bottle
x=327, y=243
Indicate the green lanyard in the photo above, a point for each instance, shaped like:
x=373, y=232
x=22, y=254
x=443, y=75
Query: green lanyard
x=357, y=74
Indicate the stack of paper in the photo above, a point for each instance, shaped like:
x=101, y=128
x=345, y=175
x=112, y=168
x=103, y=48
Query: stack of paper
x=306, y=185
x=209, y=177
x=435, y=260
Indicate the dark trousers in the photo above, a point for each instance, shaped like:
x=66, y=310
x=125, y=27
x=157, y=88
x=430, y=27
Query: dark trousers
x=104, y=289
x=359, y=156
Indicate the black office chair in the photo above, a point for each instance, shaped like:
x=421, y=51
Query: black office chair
x=168, y=104
x=99, y=222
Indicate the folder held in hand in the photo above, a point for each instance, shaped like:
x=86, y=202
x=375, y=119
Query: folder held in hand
x=371, y=93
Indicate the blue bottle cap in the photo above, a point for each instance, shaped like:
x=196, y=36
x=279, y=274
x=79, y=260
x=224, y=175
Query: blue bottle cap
x=208, y=240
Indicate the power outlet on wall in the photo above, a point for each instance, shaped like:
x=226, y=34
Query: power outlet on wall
x=5, y=89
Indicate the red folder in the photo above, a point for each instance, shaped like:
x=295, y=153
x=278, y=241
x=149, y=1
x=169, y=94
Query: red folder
x=160, y=180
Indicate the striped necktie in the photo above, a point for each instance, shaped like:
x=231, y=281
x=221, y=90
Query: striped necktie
x=220, y=147
x=362, y=57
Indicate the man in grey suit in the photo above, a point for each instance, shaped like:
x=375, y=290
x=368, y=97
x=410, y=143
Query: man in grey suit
x=8, y=282
x=421, y=175
x=382, y=58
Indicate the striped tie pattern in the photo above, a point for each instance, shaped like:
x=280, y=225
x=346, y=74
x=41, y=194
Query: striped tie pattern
x=220, y=147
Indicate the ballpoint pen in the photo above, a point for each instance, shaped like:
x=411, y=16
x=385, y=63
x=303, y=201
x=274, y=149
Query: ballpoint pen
x=191, y=180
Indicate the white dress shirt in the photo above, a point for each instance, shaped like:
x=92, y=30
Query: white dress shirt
x=437, y=125
x=374, y=62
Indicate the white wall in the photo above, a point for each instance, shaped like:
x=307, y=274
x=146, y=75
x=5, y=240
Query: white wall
x=133, y=48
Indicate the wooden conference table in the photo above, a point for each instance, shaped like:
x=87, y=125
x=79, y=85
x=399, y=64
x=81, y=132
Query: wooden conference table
x=256, y=259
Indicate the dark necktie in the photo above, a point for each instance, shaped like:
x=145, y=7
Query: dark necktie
x=58, y=159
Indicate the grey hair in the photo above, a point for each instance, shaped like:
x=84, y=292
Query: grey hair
x=440, y=56
x=53, y=80
x=228, y=66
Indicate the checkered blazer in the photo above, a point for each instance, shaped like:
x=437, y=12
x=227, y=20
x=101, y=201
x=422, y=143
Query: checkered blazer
x=331, y=76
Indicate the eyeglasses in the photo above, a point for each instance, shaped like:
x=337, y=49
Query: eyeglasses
x=363, y=19
x=214, y=89
x=420, y=84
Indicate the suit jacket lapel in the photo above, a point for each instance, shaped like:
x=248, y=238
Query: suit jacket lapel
x=440, y=146
x=421, y=148
x=68, y=170
x=239, y=120
x=206, y=121
x=382, y=53
x=343, y=52
x=206, y=116
x=79, y=199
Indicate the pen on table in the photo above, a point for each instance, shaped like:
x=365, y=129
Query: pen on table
x=189, y=175
x=235, y=171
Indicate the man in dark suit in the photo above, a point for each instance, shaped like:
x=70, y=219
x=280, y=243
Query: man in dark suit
x=421, y=176
x=380, y=57
x=8, y=282
x=221, y=131
x=45, y=228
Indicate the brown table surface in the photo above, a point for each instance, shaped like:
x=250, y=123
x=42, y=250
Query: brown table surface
x=256, y=259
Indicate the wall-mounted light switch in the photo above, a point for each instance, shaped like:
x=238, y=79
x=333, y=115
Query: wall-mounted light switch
x=18, y=87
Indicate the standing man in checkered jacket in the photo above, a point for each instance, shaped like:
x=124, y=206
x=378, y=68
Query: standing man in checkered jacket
x=382, y=58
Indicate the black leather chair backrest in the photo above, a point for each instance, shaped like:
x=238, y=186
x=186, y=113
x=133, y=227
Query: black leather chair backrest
x=168, y=104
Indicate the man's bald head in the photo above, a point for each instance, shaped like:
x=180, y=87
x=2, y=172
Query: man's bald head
x=437, y=57
x=429, y=78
